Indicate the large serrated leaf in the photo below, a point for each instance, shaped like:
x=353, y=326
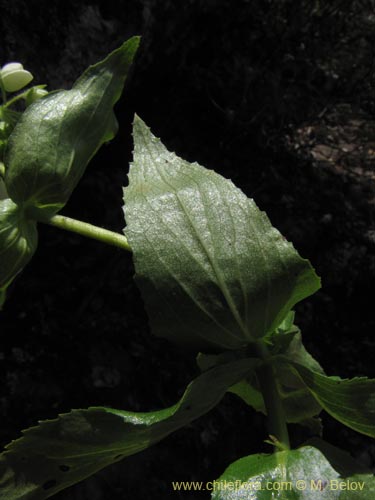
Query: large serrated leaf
x=302, y=474
x=61, y=452
x=56, y=137
x=350, y=401
x=18, y=241
x=213, y=271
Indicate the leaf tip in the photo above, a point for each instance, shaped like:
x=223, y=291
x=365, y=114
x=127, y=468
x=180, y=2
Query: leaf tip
x=137, y=121
x=141, y=132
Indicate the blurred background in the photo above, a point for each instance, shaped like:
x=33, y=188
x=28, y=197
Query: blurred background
x=277, y=95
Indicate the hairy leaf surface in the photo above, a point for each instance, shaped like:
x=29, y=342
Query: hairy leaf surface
x=56, y=136
x=213, y=271
x=58, y=453
x=302, y=474
x=18, y=241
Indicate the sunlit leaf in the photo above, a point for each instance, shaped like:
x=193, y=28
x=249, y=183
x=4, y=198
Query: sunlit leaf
x=56, y=137
x=213, y=271
x=302, y=474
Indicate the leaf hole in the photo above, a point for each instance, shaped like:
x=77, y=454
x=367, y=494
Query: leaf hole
x=64, y=468
x=49, y=484
x=188, y=407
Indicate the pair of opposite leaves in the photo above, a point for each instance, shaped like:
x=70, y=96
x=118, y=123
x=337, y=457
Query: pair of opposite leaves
x=213, y=271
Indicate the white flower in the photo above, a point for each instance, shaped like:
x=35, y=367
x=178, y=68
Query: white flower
x=14, y=77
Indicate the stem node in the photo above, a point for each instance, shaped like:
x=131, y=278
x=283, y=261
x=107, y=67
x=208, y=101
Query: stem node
x=277, y=426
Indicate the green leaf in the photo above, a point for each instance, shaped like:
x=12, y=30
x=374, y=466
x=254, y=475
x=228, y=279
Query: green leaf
x=296, y=352
x=248, y=390
x=10, y=118
x=279, y=340
x=340, y=460
x=56, y=137
x=61, y=452
x=347, y=467
x=212, y=270
x=350, y=401
x=302, y=474
x=3, y=191
x=300, y=406
x=18, y=241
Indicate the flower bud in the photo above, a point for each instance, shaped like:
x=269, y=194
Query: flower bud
x=14, y=77
x=34, y=94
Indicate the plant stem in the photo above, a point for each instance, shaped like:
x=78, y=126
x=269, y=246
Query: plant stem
x=23, y=95
x=88, y=230
x=277, y=426
x=15, y=99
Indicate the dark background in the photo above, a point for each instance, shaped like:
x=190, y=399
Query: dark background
x=276, y=95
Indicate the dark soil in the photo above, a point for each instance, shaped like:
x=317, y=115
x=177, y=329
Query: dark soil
x=276, y=97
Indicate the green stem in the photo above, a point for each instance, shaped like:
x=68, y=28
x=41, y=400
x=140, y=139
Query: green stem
x=88, y=230
x=15, y=99
x=277, y=426
x=23, y=95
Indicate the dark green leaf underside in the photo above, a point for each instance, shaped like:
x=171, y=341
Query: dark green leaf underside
x=298, y=402
x=350, y=401
x=61, y=452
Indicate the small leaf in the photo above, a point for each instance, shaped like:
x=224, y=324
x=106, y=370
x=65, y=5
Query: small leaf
x=59, y=453
x=299, y=405
x=296, y=352
x=279, y=340
x=10, y=117
x=302, y=474
x=212, y=270
x=249, y=392
x=56, y=137
x=350, y=401
x=8, y=120
x=34, y=94
x=18, y=241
